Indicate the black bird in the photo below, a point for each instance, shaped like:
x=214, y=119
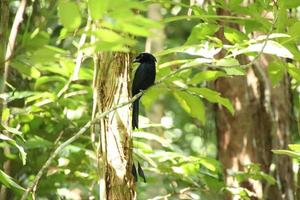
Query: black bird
x=144, y=77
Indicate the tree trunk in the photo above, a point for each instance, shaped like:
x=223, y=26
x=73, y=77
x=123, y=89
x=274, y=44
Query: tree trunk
x=111, y=87
x=261, y=123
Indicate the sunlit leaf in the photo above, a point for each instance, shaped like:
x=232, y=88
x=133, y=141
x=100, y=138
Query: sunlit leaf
x=228, y=62
x=292, y=154
x=191, y=104
x=294, y=147
x=206, y=76
x=234, y=36
x=11, y=141
x=276, y=72
x=214, y=97
x=269, y=47
x=8, y=181
x=201, y=31
x=294, y=72
x=97, y=8
x=69, y=14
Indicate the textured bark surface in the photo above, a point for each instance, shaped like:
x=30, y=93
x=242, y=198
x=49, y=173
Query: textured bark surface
x=261, y=123
x=115, y=150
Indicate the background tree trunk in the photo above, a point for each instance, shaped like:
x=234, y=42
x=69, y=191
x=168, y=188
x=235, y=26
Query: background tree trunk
x=115, y=146
x=261, y=123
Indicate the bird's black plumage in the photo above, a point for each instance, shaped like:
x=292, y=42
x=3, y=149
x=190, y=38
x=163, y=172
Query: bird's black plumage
x=144, y=77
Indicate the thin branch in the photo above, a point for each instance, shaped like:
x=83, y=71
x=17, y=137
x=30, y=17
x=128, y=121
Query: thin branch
x=72, y=139
x=12, y=40
x=78, y=61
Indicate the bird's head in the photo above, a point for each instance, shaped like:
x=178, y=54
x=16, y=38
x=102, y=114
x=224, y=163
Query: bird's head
x=144, y=57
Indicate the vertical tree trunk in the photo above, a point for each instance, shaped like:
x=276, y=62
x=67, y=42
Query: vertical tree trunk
x=261, y=123
x=115, y=148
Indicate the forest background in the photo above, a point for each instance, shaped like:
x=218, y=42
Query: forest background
x=221, y=122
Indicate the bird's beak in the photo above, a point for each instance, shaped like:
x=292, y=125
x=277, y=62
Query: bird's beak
x=135, y=60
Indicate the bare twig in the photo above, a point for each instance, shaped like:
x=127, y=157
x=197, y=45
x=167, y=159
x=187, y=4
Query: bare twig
x=78, y=61
x=12, y=40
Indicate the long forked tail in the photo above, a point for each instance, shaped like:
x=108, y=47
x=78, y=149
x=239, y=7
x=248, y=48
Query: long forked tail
x=135, y=114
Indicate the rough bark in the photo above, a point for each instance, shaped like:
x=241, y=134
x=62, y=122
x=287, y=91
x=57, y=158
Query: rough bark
x=115, y=148
x=261, y=123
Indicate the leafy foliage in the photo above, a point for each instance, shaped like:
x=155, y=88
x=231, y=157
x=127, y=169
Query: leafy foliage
x=46, y=105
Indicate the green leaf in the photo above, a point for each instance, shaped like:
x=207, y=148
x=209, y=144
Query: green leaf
x=97, y=8
x=271, y=47
x=214, y=97
x=294, y=72
x=201, y=31
x=12, y=130
x=146, y=148
x=191, y=104
x=294, y=147
x=151, y=136
x=14, y=143
x=173, y=63
x=294, y=31
x=206, y=76
x=292, y=3
x=48, y=79
x=292, y=154
x=276, y=71
x=69, y=14
x=228, y=62
x=37, y=142
x=234, y=71
x=26, y=70
x=9, y=182
x=234, y=36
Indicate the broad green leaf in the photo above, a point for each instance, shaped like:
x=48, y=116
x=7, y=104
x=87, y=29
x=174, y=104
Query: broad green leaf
x=206, y=76
x=292, y=154
x=150, y=136
x=191, y=104
x=22, y=153
x=294, y=72
x=201, y=31
x=8, y=181
x=173, y=63
x=20, y=95
x=37, y=142
x=146, y=148
x=69, y=14
x=214, y=97
x=271, y=47
x=276, y=71
x=294, y=147
x=294, y=31
x=271, y=36
x=234, y=71
x=210, y=163
x=26, y=70
x=292, y=3
x=206, y=50
x=228, y=62
x=197, y=62
x=234, y=36
x=46, y=54
x=12, y=130
x=151, y=95
x=97, y=8
x=48, y=79
x=36, y=39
